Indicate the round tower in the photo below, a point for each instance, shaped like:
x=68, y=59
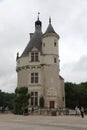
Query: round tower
x=50, y=45
x=38, y=68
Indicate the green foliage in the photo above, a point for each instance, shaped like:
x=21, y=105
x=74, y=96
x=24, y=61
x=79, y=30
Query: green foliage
x=21, y=99
x=76, y=94
x=6, y=99
x=41, y=102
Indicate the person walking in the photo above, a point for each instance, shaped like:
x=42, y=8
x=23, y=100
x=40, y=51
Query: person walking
x=77, y=111
x=82, y=112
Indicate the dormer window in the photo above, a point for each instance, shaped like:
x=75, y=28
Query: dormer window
x=34, y=56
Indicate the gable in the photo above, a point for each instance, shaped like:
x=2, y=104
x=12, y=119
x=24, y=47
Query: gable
x=34, y=49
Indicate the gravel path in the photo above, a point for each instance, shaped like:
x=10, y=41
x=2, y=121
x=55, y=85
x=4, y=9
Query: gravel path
x=17, y=122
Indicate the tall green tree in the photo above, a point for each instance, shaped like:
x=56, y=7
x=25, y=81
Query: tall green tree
x=6, y=99
x=41, y=102
x=21, y=99
x=76, y=94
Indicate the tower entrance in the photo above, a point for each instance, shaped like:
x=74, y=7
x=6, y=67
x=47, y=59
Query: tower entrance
x=52, y=104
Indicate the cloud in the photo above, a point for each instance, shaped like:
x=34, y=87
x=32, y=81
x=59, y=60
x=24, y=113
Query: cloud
x=7, y=72
x=69, y=19
x=75, y=71
x=8, y=83
x=81, y=65
x=1, y=0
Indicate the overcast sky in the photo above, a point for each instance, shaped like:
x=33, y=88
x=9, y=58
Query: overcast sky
x=69, y=19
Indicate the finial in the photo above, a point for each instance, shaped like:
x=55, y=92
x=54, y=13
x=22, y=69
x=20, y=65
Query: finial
x=38, y=15
x=49, y=20
x=17, y=56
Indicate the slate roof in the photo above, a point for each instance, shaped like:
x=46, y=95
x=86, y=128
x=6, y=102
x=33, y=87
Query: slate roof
x=50, y=29
x=35, y=41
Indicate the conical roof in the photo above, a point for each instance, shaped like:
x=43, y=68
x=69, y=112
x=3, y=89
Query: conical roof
x=50, y=29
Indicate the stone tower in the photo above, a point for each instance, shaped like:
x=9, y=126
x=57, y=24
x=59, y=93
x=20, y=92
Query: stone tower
x=38, y=68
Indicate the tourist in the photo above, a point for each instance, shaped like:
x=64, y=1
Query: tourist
x=82, y=112
x=77, y=111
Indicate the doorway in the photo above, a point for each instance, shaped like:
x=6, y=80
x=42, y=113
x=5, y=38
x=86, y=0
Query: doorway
x=52, y=104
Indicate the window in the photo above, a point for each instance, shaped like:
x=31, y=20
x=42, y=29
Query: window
x=34, y=56
x=55, y=60
x=34, y=77
x=44, y=44
x=34, y=99
x=55, y=44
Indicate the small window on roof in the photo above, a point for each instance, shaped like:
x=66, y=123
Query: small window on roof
x=34, y=56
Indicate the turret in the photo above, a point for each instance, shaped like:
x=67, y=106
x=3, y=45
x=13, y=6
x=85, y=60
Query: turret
x=50, y=41
x=38, y=24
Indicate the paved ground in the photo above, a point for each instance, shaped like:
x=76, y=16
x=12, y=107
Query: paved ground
x=14, y=122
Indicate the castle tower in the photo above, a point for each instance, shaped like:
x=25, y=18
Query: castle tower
x=38, y=68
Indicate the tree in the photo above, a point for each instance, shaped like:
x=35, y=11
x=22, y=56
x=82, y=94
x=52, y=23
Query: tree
x=6, y=99
x=70, y=95
x=76, y=94
x=21, y=99
x=41, y=102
